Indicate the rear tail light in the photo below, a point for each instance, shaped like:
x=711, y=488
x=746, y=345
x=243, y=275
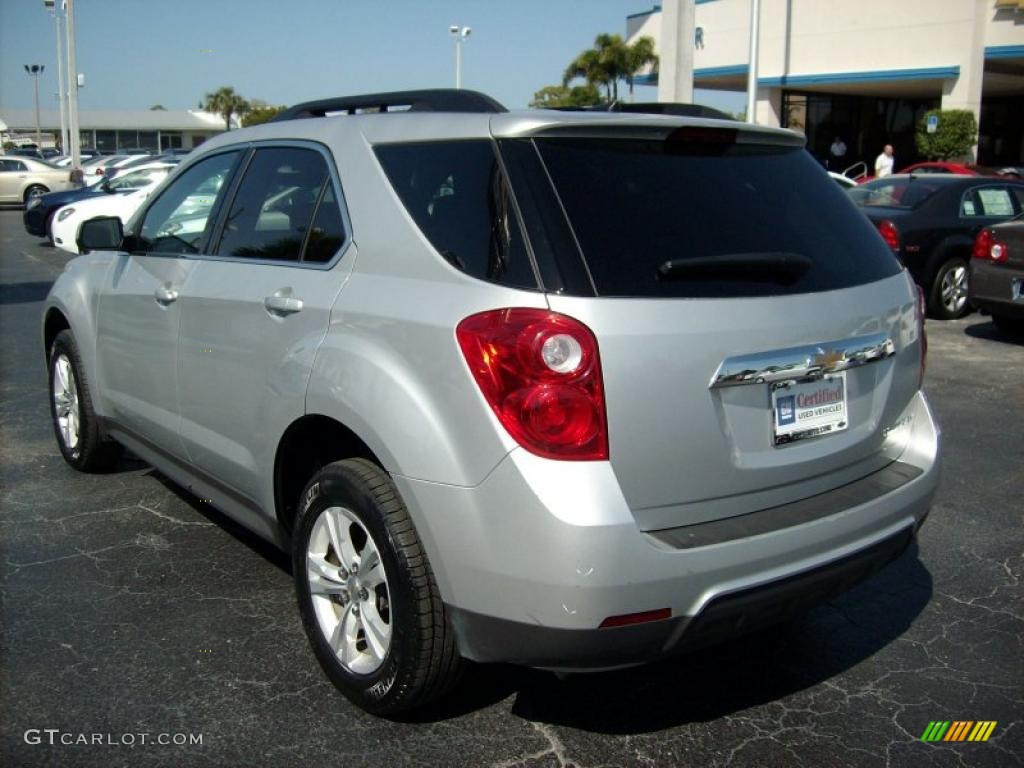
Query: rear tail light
x=922, y=334
x=889, y=233
x=986, y=247
x=541, y=374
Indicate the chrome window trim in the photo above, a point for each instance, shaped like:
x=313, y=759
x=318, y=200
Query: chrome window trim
x=247, y=149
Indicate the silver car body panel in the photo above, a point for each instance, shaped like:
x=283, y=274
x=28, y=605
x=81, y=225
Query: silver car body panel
x=206, y=386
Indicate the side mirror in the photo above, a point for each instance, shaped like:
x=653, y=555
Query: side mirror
x=103, y=233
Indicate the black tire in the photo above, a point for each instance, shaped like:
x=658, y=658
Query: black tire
x=947, y=299
x=33, y=191
x=90, y=452
x=1010, y=325
x=421, y=662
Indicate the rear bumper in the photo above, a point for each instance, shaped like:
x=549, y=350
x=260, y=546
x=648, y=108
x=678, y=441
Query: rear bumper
x=724, y=617
x=997, y=289
x=532, y=560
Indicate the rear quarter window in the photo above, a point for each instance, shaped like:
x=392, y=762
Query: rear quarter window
x=457, y=194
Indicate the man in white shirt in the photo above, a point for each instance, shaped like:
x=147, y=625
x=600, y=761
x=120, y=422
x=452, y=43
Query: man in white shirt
x=837, y=152
x=884, y=162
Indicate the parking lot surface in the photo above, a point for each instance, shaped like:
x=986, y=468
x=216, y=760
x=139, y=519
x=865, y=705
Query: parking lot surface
x=132, y=611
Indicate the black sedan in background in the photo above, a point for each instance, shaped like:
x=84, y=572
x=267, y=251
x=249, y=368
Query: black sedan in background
x=997, y=274
x=930, y=221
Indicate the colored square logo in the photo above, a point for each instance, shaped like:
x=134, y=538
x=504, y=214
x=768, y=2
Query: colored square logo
x=786, y=410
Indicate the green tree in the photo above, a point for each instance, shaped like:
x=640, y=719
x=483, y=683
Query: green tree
x=551, y=96
x=261, y=113
x=956, y=133
x=639, y=55
x=226, y=103
x=158, y=108
x=611, y=60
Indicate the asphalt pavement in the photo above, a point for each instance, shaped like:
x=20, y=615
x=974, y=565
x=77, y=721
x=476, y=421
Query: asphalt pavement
x=132, y=614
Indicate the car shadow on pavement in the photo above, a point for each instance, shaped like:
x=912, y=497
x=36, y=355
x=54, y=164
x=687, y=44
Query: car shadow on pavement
x=24, y=293
x=989, y=332
x=700, y=686
x=706, y=685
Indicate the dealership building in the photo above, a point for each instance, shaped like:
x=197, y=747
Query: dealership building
x=111, y=130
x=863, y=70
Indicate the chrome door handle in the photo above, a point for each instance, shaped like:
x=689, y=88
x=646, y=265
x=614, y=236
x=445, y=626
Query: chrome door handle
x=282, y=305
x=165, y=295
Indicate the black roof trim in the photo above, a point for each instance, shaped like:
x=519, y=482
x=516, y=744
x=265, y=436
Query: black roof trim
x=655, y=108
x=431, y=100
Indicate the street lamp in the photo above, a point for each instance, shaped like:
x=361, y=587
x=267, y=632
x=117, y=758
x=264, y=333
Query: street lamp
x=34, y=71
x=460, y=34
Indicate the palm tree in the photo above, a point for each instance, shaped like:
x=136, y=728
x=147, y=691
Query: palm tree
x=604, y=64
x=226, y=103
x=639, y=55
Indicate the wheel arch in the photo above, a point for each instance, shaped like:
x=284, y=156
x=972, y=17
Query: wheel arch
x=309, y=443
x=54, y=321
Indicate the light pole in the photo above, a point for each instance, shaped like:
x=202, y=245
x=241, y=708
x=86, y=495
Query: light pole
x=34, y=71
x=75, y=136
x=755, y=24
x=61, y=95
x=460, y=34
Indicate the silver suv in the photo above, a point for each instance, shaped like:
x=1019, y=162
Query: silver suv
x=568, y=390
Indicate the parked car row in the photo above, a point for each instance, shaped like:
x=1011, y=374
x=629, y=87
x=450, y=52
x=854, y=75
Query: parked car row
x=57, y=215
x=931, y=222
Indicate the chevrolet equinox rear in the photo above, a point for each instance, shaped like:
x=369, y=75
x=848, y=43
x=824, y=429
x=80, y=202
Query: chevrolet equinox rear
x=567, y=390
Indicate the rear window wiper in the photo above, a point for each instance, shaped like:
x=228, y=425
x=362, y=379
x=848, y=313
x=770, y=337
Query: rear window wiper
x=764, y=267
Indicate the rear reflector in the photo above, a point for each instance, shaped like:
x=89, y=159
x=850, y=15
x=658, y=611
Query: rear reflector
x=643, y=617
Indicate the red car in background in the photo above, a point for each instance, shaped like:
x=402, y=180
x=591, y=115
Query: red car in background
x=957, y=169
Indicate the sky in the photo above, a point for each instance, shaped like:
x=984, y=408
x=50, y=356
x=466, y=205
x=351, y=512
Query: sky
x=137, y=53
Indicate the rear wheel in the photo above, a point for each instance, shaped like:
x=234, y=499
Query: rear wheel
x=367, y=594
x=36, y=190
x=948, y=299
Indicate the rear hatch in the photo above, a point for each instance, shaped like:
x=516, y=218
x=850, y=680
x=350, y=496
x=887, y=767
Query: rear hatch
x=723, y=267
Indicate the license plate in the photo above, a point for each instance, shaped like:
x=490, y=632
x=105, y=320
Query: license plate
x=802, y=409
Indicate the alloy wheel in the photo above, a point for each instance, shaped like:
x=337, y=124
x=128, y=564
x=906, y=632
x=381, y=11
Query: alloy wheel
x=954, y=289
x=349, y=589
x=65, y=401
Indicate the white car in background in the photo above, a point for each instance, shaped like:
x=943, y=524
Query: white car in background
x=143, y=179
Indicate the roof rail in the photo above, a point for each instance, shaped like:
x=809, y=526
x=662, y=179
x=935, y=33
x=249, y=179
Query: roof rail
x=654, y=108
x=431, y=100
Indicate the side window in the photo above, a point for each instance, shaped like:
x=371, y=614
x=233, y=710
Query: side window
x=272, y=212
x=459, y=198
x=327, y=232
x=12, y=165
x=136, y=179
x=995, y=201
x=180, y=218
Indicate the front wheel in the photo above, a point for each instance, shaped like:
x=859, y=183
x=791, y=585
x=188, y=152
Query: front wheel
x=948, y=299
x=74, y=421
x=36, y=190
x=366, y=592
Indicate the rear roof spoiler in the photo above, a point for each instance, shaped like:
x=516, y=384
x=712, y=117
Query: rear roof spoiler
x=431, y=100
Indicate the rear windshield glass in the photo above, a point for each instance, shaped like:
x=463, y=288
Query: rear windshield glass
x=909, y=192
x=700, y=219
